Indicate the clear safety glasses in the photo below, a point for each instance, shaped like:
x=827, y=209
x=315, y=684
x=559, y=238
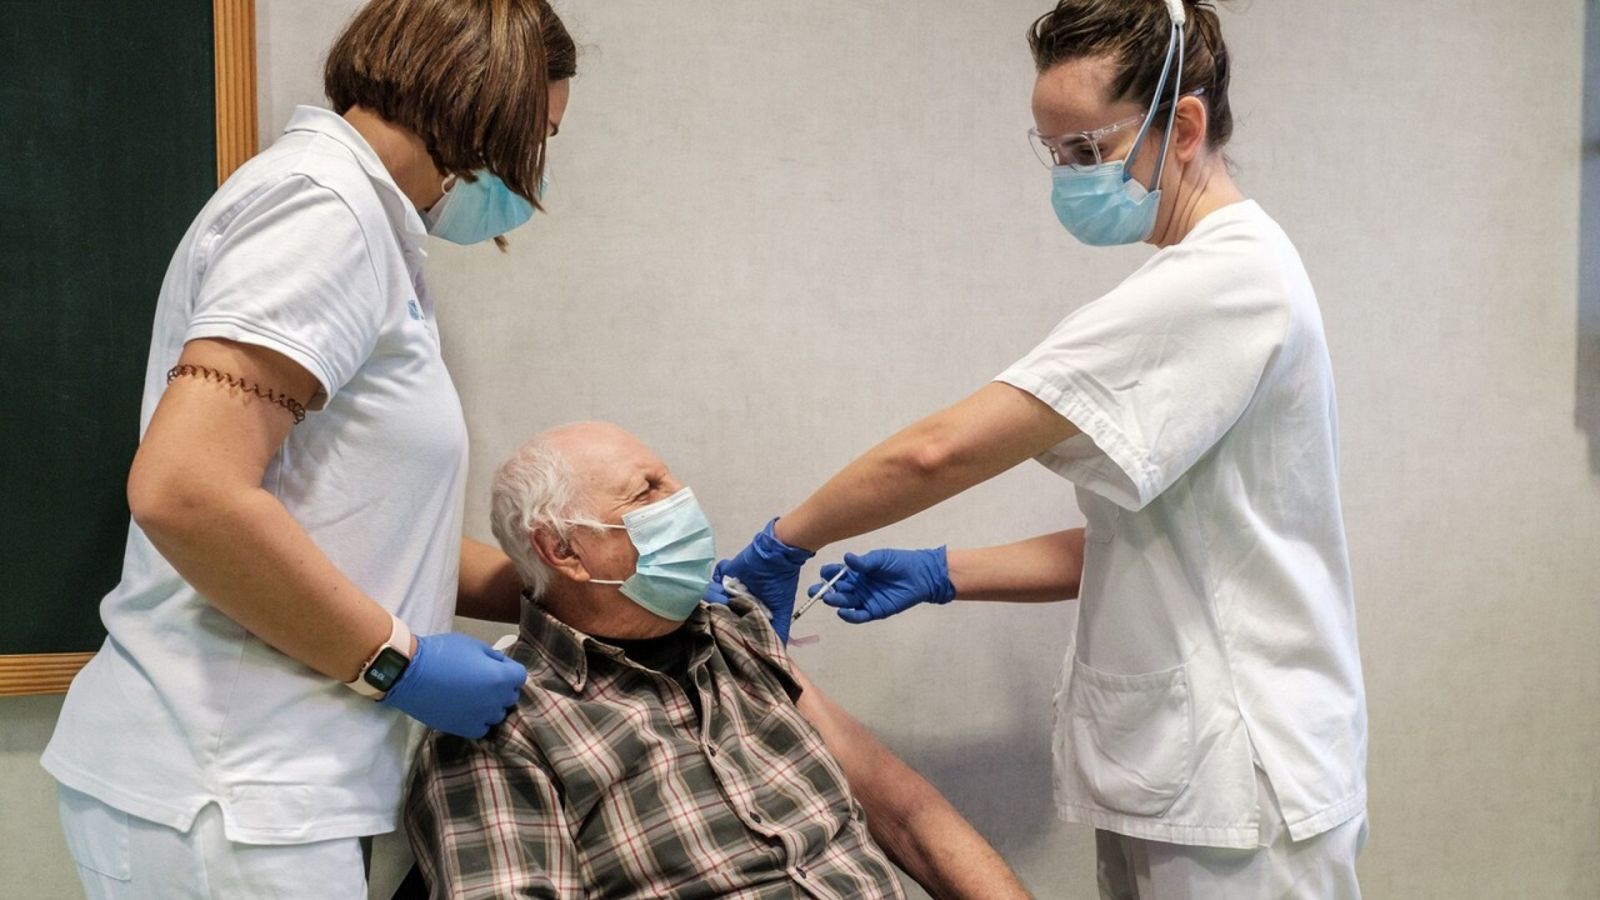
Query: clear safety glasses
x=1080, y=150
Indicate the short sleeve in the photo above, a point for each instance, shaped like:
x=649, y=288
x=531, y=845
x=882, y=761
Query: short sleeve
x=1154, y=373
x=292, y=271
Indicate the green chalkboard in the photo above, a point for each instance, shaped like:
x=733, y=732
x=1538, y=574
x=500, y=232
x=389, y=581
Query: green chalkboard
x=107, y=151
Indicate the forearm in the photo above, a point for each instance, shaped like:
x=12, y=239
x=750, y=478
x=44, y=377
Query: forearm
x=490, y=588
x=891, y=482
x=248, y=556
x=1037, y=570
x=927, y=838
x=971, y=442
x=914, y=824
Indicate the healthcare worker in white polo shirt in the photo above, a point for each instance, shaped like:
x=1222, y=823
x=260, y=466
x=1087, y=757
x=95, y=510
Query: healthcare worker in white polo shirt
x=296, y=553
x=1211, y=719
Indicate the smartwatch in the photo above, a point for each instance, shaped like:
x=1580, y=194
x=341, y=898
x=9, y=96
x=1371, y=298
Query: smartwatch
x=383, y=668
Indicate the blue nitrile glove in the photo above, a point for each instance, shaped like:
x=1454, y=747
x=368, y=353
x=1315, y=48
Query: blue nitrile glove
x=715, y=592
x=885, y=582
x=457, y=684
x=770, y=569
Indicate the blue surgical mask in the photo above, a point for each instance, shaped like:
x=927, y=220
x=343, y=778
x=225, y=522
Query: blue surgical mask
x=475, y=211
x=1103, y=205
x=676, y=553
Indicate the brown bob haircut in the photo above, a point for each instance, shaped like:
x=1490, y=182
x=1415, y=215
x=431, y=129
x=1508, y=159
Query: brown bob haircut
x=1134, y=33
x=469, y=77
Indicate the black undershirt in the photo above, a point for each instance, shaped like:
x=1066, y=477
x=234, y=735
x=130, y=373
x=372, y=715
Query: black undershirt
x=668, y=654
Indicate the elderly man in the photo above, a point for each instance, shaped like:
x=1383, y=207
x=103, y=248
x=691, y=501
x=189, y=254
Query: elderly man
x=661, y=747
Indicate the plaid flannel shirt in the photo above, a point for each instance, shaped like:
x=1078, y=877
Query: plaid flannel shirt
x=603, y=783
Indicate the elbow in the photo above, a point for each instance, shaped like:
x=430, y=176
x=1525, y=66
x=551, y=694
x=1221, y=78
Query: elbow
x=162, y=501
x=928, y=453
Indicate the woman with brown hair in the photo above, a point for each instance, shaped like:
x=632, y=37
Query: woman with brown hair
x=296, y=552
x=1211, y=719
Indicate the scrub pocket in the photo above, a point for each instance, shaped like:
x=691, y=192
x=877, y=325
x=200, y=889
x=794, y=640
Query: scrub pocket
x=1132, y=737
x=97, y=834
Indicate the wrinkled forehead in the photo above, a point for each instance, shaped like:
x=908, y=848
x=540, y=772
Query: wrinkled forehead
x=607, y=462
x=1075, y=96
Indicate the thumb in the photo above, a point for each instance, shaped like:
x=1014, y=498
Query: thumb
x=856, y=563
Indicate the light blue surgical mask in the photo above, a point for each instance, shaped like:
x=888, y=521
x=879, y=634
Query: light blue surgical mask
x=676, y=553
x=475, y=211
x=1102, y=205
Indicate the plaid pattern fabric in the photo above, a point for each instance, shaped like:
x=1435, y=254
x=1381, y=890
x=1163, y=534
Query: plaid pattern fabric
x=603, y=783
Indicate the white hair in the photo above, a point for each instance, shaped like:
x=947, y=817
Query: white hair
x=532, y=489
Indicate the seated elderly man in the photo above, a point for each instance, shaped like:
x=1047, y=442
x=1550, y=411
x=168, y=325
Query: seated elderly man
x=662, y=747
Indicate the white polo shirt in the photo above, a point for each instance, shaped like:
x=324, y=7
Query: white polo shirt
x=310, y=249
x=1217, y=624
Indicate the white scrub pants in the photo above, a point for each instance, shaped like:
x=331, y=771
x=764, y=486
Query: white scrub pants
x=1318, y=868
x=123, y=857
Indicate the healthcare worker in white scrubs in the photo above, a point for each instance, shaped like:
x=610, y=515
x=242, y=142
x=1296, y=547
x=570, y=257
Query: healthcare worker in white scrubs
x=1211, y=721
x=296, y=552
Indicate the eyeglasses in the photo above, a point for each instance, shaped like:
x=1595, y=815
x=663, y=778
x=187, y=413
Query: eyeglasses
x=1081, y=149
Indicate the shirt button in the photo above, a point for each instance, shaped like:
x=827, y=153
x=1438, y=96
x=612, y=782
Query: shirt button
x=756, y=818
x=712, y=750
x=799, y=871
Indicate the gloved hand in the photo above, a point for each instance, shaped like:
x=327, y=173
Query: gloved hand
x=715, y=592
x=885, y=582
x=457, y=684
x=770, y=569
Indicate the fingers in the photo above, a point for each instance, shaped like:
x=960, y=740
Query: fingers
x=831, y=569
x=855, y=616
x=842, y=599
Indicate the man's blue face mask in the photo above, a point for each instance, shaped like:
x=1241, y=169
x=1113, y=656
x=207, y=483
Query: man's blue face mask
x=475, y=211
x=676, y=553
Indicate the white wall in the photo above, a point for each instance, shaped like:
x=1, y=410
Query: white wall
x=779, y=231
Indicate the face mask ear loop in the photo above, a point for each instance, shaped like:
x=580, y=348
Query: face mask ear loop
x=1172, y=114
x=1173, y=37
x=597, y=525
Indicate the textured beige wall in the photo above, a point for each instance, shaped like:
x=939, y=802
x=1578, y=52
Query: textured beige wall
x=779, y=230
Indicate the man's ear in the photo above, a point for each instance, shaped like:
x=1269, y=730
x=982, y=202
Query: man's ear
x=555, y=552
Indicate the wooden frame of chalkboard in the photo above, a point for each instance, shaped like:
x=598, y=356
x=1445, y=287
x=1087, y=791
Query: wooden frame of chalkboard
x=234, y=37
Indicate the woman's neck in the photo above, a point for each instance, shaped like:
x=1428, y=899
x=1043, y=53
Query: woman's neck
x=402, y=153
x=1201, y=191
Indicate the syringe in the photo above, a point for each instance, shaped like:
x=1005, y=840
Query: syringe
x=826, y=587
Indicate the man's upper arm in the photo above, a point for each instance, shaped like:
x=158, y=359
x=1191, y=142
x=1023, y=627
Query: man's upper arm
x=485, y=821
x=883, y=783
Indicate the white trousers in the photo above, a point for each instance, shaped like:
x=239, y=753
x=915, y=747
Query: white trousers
x=1318, y=868
x=123, y=857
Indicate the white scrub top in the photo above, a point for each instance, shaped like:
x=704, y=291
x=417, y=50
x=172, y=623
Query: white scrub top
x=310, y=249
x=1217, y=628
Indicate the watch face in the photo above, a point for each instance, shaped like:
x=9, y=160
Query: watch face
x=386, y=669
